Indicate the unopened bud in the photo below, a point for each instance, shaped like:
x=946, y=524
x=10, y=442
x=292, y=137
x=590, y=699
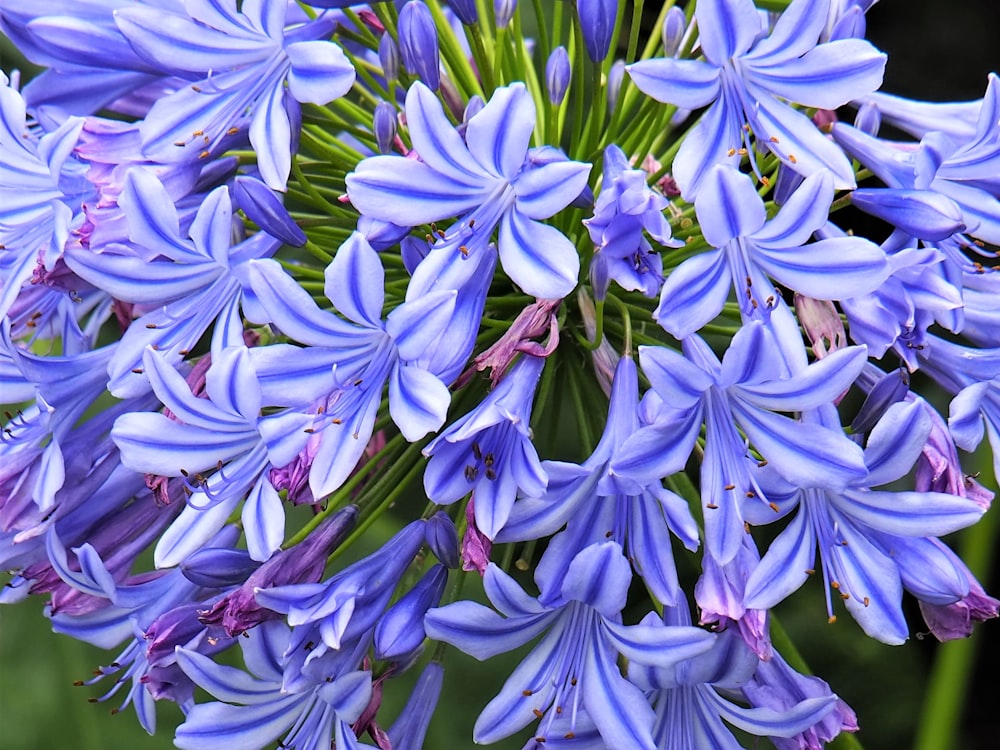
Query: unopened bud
x=465, y=10
x=418, y=43
x=597, y=24
x=384, y=126
x=869, y=119
x=557, y=73
x=503, y=11
x=388, y=55
x=674, y=26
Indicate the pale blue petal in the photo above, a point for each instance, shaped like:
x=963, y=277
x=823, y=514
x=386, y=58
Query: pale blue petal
x=499, y=134
x=355, y=282
x=224, y=683
x=537, y=257
x=271, y=138
x=507, y=596
x=263, y=521
x=152, y=218
x=418, y=401
x=728, y=206
x=408, y=192
x=826, y=76
x=896, y=441
x=768, y=722
x=803, y=213
x=543, y=190
x=132, y=279
x=690, y=84
x=657, y=451
x=965, y=421
x=876, y=590
x=694, y=294
x=190, y=531
x=209, y=726
x=438, y=143
x=349, y=694
x=153, y=444
x=714, y=139
x=656, y=645
x=784, y=567
x=231, y=383
x=617, y=707
x=416, y=325
x=908, y=513
x=819, y=383
x=835, y=268
x=676, y=379
x=599, y=576
x=727, y=28
x=481, y=632
x=212, y=228
x=320, y=72
x=795, y=32
x=341, y=447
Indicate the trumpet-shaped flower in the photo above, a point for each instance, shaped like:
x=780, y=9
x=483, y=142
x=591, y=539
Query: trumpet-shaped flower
x=748, y=80
x=485, y=179
x=573, y=667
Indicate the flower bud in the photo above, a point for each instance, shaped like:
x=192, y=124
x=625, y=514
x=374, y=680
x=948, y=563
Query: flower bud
x=557, y=74
x=442, y=537
x=597, y=24
x=615, y=76
x=674, y=26
x=418, y=43
x=503, y=11
x=890, y=389
x=869, y=119
x=218, y=568
x=410, y=728
x=400, y=631
x=384, y=126
x=388, y=55
x=263, y=208
x=465, y=10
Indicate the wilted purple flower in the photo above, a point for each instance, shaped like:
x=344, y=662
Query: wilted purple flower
x=557, y=74
x=238, y=611
x=597, y=24
x=748, y=77
x=574, y=666
x=486, y=181
x=418, y=43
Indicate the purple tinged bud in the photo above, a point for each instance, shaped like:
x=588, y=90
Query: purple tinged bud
x=410, y=727
x=384, y=126
x=851, y=25
x=615, y=77
x=476, y=546
x=263, y=208
x=557, y=73
x=465, y=10
x=473, y=108
x=890, y=389
x=503, y=11
x=218, y=568
x=400, y=631
x=388, y=55
x=597, y=23
x=924, y=214
x=239, y=611
x=869, y=119
x=442, y=537
x=674, y=26
x=949, y=622
x=822, y=324
x=418, y=43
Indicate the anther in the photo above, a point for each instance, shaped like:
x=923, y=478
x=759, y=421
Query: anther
x=773, y=506
x=810, y=571
x=537, y=713
x=774, y=139
x=751, y=494
x=232, y=131
x=730, y=487
x=711, y=506
x=151, y=325
x=569, y=736
x=731, y=152
x=527, y=693
x=835, y=585
x=477, y=451
x=196, y=88
x=137, y=370
x=831, y=619
x=866, y=601
x=463, y=250
x=203, y=155
x=490, y=474
x=792, y=159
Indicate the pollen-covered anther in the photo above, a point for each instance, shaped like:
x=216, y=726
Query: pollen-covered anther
x=537, y=713
x=527, y=693
x=731, y=152
x=810, y=571
x=866, y=601
x=835, y=585
x=831, y=619
x=203, y=155
x=730, y=487
x=792, y=159
x=711, y=506
x=773, y=506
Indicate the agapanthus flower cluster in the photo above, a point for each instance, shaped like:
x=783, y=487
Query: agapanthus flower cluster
x=316, y=312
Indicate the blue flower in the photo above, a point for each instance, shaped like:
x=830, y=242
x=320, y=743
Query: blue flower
x=750, y=249
x=574, y=666
x=485, y=181
x=747, y=78
x=626, y=207
x=244, y=61
x=489, y=451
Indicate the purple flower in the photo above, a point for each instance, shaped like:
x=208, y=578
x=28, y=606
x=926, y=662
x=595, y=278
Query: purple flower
x=489, y=451
x=486, y=181
x=747, y=78
x=574, y=666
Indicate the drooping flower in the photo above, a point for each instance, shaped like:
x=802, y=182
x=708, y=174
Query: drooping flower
x=749, y=78
x=573, y=667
